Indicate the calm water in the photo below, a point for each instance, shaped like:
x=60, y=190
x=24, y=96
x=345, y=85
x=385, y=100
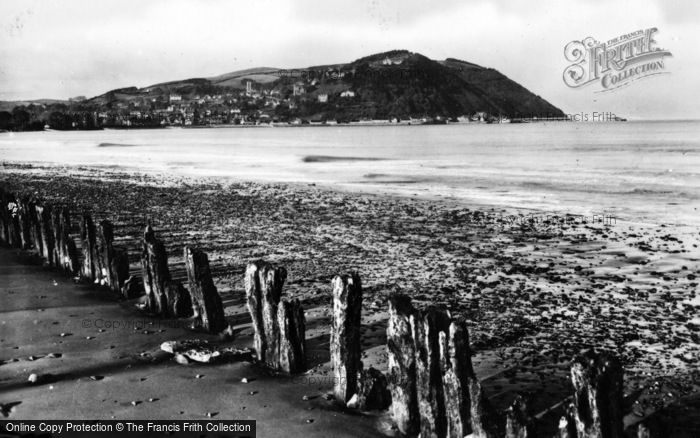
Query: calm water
x=637, y=171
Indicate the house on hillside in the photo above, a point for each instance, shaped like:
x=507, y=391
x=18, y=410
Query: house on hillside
x=174, y=98
x=347, y=93
x=299, y=89
x=323, y=98
x=392, y=61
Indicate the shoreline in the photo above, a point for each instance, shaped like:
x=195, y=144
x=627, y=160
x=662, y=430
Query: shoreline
x=364, y=124
x=349, y=188
x=533, y=295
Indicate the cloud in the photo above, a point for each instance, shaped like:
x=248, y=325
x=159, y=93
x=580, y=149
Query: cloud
x=680, y=11
x=386, y=15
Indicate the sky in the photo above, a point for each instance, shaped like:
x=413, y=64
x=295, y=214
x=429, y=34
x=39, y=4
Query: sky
x=68, y=48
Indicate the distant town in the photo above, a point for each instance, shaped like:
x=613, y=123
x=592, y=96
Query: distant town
x=252, y=107
x=397, y=87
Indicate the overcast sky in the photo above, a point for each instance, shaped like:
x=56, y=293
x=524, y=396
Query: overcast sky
x=66, y=48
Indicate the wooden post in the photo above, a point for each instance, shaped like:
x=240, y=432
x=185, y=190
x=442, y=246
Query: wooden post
x=345, y=335
x=206, y=302
x=179, y=302
x=65, y=254
x=44, y=240
x=264, y=284
x=57, y=235
x=456, y=365
x=433, y=387
x=8, y=218
x=113, y=262
x=567, y=425
x=597, y=406
x=154, y=263
x=165, y=296
x=4, y=217
x=118, y=269
x=271, y=281
x=372, y=390
x=88, y=248
x=278, y=325
x=292, y=342
x=402, y=365
x=519, y=424
x=28, y=231
x=254, y=303
x=105, y=253
x=14, y=238
x=483, y=417
x=426, y=327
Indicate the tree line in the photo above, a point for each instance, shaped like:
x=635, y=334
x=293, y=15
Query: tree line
x=38, y=117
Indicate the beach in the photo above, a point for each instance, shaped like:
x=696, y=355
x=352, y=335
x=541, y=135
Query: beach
x=537, y=287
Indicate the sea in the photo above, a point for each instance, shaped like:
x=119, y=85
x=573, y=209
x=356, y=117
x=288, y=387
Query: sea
x=638, y=171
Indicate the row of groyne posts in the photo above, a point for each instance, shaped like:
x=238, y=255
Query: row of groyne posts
x=430, y=388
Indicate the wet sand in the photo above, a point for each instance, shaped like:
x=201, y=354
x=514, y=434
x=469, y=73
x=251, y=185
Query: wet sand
x=535, y=294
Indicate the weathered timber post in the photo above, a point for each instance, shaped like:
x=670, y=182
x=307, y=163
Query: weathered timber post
x=292, y=342
x=65, y=256
x=57, y=235
x=105, y=252
x=345, y=335
x=12, y=205
x=372, y=390
x=165, y=296
x=112, y=264
x=8, y=218
x=567, y=425
x=456, y=366
x=402, y=365
x=278, y=325
x=254, y=302
x=483, y=417
x=89, y=269
x=119, y=269
x=264, y=284
x=4, y=218
x=179, y=302
x=154, y=263
x=597, y=406
x=426, y=327
x=28, y=231
x=206, y=302
x=44, y=234
x=519, y=424
x=433, y=387
x=271, y=281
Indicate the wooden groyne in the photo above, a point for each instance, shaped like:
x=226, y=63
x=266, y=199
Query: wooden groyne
x=46, y=230
x=429, y=389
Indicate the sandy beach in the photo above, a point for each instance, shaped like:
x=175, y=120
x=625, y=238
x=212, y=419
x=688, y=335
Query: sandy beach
x=536, y=289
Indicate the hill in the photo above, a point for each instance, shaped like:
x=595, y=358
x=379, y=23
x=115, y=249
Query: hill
x=397, y=84
x=394, y=85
